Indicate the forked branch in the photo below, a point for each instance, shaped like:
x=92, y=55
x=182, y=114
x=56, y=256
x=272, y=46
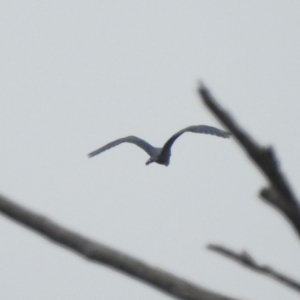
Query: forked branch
x=279, y=194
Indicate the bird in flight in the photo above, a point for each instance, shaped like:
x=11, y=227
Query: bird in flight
x=161, y=155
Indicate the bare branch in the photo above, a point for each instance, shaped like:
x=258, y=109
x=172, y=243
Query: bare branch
x=99, y=253
x=280, y=195
x=246, y=260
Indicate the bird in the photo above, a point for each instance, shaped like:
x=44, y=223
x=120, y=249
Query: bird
x=161, y=155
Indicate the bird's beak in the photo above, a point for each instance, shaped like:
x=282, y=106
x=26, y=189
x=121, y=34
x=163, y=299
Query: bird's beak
x=148, y=162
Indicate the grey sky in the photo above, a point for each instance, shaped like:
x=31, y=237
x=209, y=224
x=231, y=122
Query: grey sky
x=78, y=74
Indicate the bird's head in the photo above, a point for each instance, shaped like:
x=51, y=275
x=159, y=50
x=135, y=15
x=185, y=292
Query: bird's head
x=149, y=161
x=165, y=162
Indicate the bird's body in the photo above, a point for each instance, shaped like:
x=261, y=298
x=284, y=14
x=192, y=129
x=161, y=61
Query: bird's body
x=161, y=155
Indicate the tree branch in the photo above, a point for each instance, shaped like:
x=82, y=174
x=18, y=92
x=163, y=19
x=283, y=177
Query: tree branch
x=247, y=261
x=99, y=253
x=279, y=194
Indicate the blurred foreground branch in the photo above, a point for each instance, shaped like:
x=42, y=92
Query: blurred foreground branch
x=102, y=254
x=246, y=260
x=279, y=194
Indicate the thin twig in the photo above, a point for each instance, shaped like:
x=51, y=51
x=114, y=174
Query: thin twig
x=102, y=254
x=279, y=194
x=247, y=260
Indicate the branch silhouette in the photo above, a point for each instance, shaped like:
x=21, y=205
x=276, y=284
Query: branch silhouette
x=279, y=194
x=105, y=255
x=247, y=261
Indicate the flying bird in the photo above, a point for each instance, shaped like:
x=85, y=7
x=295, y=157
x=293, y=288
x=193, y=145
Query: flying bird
x=161, y=155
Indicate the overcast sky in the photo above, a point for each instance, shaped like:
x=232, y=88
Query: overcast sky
x=78, y=74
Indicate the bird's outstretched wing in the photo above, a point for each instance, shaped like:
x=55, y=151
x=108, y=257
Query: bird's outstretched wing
x=129, y=139
x=196, y=129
